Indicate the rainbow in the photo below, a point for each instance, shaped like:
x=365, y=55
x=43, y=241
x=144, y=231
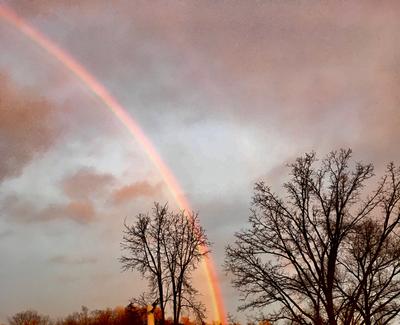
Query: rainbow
x=133, y=128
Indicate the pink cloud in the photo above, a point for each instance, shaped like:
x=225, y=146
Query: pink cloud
x=86, y=182
x=79, y=211
x=135, y=190
x=23, y=211
x=27, y=127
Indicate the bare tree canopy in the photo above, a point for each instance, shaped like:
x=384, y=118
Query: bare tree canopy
x=166, y=248
x=326, y=252
x=29, y=317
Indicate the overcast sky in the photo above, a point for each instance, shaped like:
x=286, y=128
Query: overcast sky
x=228, y=92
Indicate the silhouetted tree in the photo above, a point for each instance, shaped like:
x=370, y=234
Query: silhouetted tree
x=143, y=242
x=373, y=266
x=325, y=253
x=166, y=248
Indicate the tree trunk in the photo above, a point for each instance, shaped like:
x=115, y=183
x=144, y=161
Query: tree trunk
x=161, y=300
x=330, y=284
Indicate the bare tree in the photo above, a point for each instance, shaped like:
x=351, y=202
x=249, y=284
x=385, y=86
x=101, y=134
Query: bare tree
x=166, y=248
x=29, y=317
x=374, y=273
x=143, y=242
x=373, y=258
x=185, y=244
x=326, y=254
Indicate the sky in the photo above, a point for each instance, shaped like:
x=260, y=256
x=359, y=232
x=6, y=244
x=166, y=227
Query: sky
x=229, y=92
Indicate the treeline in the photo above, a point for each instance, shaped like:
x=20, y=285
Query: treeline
x=130, y=315
x=117, y=316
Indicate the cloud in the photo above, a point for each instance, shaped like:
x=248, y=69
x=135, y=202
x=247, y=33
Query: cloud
x=16, y=209
x=80, y=188
x=291, y=63
x=86, y=182
x=23, y=211
x=135, y=190
x=82, y=192
x=27, y=127
x=82, y=212
x=5, y=233
x=302, y=68
x=70, y=260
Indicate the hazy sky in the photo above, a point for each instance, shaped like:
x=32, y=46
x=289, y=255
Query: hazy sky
x=228, y=91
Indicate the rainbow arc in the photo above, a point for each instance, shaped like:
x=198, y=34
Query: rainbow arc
x=132, y=127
